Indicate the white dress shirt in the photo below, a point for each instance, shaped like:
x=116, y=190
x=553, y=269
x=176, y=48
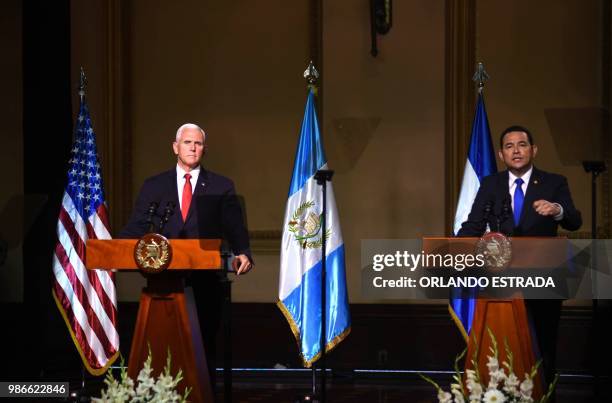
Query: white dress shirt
x=180, y=181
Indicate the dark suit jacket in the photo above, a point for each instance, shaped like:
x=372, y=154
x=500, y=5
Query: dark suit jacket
x=542, y=185
x=214, y=211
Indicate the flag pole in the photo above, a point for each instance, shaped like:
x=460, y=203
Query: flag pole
x=79, y=393
x=462, y=301
x=322, y=177
x=311, y=75
x=82, y=85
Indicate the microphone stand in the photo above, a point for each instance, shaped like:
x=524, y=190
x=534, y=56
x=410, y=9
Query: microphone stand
x=168, y=211
x=227, y=324
x=595, y=168
x=323, y=176
x=150, y=214
x=488, y=208
x=505, y=214
x=499, y=218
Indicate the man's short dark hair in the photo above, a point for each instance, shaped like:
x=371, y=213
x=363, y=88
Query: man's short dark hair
x=515, y=128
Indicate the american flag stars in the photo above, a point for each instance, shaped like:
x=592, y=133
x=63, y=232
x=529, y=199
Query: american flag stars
x=84, y=177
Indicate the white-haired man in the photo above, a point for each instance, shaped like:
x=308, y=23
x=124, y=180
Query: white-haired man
x=206, y=207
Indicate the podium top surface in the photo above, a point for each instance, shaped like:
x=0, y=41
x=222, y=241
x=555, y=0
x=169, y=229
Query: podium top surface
x=187, y=254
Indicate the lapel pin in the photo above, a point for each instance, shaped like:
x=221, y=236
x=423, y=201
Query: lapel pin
x=535, y=182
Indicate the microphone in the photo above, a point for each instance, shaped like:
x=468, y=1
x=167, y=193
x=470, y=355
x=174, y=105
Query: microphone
x=506, y=208
x=168, y=211
x=507, y=211
x=487, y=210
x=150, y=213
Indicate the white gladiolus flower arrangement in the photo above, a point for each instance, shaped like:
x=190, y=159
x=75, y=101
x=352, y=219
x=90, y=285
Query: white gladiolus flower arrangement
x=503, y=387
x=147, y=389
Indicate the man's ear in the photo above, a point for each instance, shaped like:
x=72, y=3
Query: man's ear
x=500, y=155
x=175, y=147
x=534, y=148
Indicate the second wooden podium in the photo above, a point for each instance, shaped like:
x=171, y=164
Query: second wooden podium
x=167, y=317
x=507, y=317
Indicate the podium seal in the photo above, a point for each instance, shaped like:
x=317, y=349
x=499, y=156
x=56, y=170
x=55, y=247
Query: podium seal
x=496, y=249
x=153, y=253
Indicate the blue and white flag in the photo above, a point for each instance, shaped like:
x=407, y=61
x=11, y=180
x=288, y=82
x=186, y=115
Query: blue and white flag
x=480, y=163
x=299, y=290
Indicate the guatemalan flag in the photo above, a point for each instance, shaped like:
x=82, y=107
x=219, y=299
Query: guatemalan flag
x=480, y=163
x=299, y=290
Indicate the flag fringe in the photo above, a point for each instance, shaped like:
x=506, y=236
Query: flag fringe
x=90, y=369
x=296, y=333
x=458, y=322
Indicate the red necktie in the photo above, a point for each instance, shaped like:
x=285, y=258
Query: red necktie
x=186, y=197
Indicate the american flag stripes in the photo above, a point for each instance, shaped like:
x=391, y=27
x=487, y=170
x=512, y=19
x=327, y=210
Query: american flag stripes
x=85, y=298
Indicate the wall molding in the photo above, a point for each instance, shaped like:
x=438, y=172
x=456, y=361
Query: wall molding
x=118, y=139
x=265, y=242
x=460, y=96
x=605, y=228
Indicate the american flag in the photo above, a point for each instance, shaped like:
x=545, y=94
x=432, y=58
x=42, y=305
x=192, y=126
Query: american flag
x=85, y=298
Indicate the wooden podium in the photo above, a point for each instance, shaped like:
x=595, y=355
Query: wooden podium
x=506, y=317
x=167, y=316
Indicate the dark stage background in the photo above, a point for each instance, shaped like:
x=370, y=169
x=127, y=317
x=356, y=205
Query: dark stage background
x=404, y=113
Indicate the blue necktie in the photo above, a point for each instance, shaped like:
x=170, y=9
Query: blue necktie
x=519, y=197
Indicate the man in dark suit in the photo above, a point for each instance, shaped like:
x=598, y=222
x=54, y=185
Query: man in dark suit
x=537, y=203
x=206, y=207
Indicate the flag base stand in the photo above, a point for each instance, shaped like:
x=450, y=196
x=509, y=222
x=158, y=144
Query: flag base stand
x=308, y=398
x=315, y=395
x=79, y=395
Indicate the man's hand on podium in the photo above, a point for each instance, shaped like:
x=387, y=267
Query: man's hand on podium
x=241, y=264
